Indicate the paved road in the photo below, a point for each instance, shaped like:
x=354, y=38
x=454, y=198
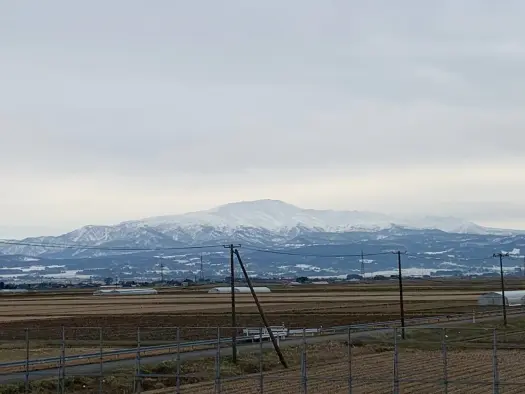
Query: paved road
x=109, y=366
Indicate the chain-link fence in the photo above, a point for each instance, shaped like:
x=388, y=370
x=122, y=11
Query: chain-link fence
x=199, y=360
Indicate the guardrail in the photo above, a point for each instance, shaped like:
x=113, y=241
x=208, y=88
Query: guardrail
x=215, y=342
x=50, y=360
x=305, y=331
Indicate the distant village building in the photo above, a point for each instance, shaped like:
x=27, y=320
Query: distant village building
x=512, y=298
x=227, y=290
x=125, y=291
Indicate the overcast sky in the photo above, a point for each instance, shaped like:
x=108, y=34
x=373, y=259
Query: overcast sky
x=122, y=109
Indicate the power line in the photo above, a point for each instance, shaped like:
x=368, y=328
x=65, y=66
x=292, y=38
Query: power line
x=434, y=257
x=316, y=255
x=272, y=251
x=90, y=247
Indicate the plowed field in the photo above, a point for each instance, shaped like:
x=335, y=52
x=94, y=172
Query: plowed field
x=120, y=316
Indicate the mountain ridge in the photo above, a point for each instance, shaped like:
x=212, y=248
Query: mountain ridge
x=261, y=223
x=278, y=240
x=276, y=214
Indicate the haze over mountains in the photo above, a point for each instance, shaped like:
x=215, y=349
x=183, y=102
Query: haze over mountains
x=276, y=225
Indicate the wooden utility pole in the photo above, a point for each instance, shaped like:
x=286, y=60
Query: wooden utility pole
x=503, y=298
x=232, y=289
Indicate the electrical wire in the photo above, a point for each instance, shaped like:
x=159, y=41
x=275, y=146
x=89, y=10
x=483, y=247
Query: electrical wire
x=138, y=249
x=271, y=251
x=456, y=258
x=317, y=255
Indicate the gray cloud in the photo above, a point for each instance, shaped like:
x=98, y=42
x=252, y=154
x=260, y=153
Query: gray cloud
x=209, y=89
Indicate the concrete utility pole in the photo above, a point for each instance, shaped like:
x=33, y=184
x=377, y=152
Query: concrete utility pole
x=202, y=271
x=362, y=265
x=401, y=303
x=232, y=289
x=503, y=298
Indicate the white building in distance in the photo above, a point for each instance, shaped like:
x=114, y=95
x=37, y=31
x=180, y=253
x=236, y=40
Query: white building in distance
x=125, y=291
x=227, y=290
x=512, y=298
x=13, y=291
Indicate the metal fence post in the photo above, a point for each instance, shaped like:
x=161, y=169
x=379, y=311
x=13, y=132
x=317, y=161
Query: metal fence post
x=177, y=389
x=101, y=371
x=138, y=383
x=218, y=363
x=62, y=370
x=396, y=364
x=27, y=362
x=495, y=373
x=445, y=359
x=349, y=362
x=261, y=362
x=304, y=374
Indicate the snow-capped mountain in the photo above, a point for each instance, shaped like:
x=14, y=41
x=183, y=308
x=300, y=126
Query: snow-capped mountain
x=277, y=215
x=268, y=223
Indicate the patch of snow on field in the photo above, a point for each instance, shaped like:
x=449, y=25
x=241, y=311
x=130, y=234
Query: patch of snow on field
x=515, y=252
x=33, y=268
x=327, y=277
x=436, y=253
x=9, y=276
x=405, y=272
x=175, y=256
x=68, y=274
x=25, y=258
x=307, y=267
x=451, y=264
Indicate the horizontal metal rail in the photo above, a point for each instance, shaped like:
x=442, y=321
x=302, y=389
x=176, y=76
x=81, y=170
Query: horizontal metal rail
x=50, y=360
x=214, y=342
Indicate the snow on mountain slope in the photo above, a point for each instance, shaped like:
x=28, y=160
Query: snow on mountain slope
x=126, y=234
x=447, y=224
x=277, y=215
x=267, y=214
x=262, y=222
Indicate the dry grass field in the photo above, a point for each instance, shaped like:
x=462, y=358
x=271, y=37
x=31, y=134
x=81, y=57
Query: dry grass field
x=121, y=315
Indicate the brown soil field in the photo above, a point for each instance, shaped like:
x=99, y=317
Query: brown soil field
x=199, y=313
x=168, y=303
